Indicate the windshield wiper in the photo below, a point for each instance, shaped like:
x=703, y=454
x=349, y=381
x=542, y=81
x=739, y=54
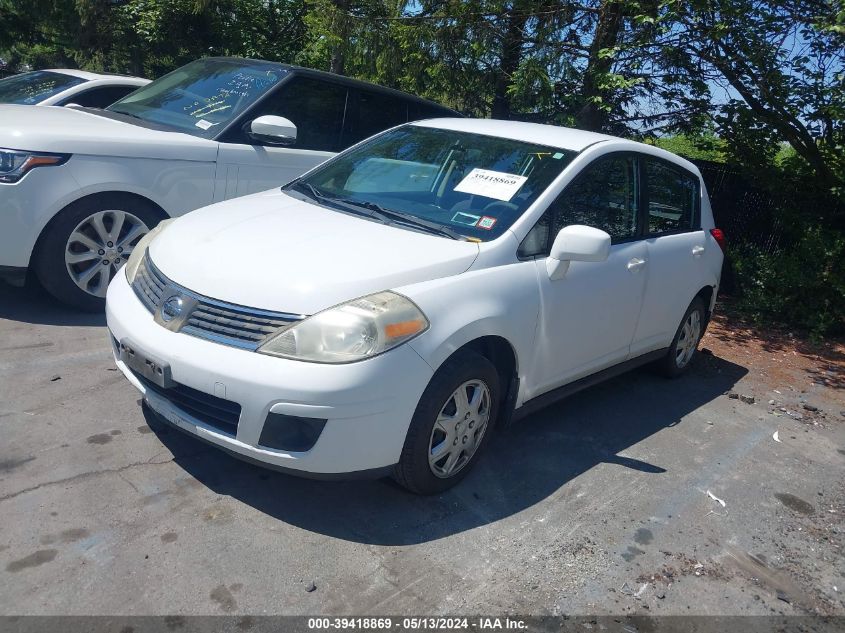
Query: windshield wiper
x=378, y=212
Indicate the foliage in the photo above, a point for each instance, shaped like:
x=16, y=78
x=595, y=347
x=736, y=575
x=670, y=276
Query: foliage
x=802, y=285
x=706, y=146
x=757, y=84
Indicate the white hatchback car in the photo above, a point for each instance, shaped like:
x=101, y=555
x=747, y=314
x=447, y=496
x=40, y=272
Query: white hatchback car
x=387, y=310
x=66, y=86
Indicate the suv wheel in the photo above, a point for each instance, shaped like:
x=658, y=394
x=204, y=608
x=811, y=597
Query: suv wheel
x=87, y=243
x=452, y=423
x=686, y=340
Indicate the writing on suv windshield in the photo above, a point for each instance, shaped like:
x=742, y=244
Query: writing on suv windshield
x=438, y=181
x=200, y=98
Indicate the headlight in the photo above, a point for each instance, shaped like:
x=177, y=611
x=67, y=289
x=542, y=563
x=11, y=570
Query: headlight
x=353, y=331
x=14, y=164
x=137, y=255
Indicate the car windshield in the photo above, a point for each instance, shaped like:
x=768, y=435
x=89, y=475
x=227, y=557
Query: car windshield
x=35, y=87
x=200, y=98
x=467, y=184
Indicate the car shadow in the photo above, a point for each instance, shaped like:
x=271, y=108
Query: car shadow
x=32, y=304
x=523, y=465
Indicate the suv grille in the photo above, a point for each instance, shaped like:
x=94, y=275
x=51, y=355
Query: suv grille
x=207, y=318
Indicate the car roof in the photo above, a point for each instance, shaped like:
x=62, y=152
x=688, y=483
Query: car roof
x=549, y=135
x=86, y=75
x=552, y=136
x=301, y=70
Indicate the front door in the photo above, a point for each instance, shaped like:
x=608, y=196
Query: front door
x=317, y=108
x=588, y=317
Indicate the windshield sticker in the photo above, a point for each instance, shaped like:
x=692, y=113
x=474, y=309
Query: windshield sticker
x=491, y=184
x=467, y=219
x=203, y=124
x=486, y=222
x=558, y=156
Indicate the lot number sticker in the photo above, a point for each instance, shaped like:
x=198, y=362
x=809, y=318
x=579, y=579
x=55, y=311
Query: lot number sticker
x=491, y=184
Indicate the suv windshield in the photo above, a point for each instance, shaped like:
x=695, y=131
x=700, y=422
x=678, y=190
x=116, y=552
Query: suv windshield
x=35, y=87
x=465, y=183
x=200, y=98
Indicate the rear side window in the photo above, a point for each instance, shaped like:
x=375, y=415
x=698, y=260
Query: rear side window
x=603, y=195
x=419, y=111
x=315, y=107
x=370, y=114
x=99, y=97
x=673, y=196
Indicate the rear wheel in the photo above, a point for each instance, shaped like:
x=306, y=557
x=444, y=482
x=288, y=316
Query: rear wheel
x=451, y=425
x=686, y=340
x=87, y=243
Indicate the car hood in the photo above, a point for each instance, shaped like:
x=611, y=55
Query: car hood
x=75, y=131
x=275, y=252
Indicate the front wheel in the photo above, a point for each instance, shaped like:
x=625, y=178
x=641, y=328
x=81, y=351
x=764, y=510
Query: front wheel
x=686, y=340
x=87, y=243
x=451, y=424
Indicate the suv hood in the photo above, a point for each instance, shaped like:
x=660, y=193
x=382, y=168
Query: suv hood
x=75, y=131
x=275, y=252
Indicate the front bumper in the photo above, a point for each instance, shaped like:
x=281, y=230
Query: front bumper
x=367, y=405
x=27, y=206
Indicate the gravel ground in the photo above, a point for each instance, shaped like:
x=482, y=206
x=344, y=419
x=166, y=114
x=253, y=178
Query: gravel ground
x=607, y=503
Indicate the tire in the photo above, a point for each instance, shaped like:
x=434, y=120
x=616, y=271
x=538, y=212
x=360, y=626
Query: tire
x=685, y=343
x=469, y=433
x=66, y=261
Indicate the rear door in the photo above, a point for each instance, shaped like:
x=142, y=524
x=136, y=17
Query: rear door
x=676, y=250
x=316, y=107
x=588, y=317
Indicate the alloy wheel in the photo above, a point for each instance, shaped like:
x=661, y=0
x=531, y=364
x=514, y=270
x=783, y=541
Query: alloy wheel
x=688, y=340
x=99, y=245
x=459, y=429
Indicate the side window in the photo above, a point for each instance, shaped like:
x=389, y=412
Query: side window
x=315, y=107
x=419, y=111
x=99, y=97
x=672, y=196
x=372, y=113
x=603, y=195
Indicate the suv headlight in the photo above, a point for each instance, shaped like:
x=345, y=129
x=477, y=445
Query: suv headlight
x=352, y=331
x=137, y=256
x=15, y=164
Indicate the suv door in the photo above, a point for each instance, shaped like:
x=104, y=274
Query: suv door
x=317, y=109
x=588, y=317
x=676, y=244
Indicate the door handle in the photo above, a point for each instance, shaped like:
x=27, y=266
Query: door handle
x=697, y=250
x=635, y=264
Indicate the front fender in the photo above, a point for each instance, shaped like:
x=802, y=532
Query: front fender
x=498, y=301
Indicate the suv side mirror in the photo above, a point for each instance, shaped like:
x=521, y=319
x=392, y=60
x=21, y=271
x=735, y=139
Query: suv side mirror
x=576, y=243
x=273, y=130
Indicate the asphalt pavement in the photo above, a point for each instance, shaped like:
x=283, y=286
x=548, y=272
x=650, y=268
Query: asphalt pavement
x=607, y=503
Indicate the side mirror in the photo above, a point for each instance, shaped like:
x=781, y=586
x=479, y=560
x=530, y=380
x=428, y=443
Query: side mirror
x=576, y=243
x=273, y=130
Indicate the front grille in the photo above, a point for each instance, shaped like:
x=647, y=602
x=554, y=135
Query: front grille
x=149, y=285
x=247, y=326
x=210, y=319
x=217, y=413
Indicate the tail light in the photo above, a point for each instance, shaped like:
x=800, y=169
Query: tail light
x=719, y=236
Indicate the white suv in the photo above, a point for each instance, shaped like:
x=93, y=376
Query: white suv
x=80, y=186
x=384, y=312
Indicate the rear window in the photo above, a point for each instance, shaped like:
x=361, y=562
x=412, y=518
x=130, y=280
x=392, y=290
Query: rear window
x=35, y=87
x=672, y=198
